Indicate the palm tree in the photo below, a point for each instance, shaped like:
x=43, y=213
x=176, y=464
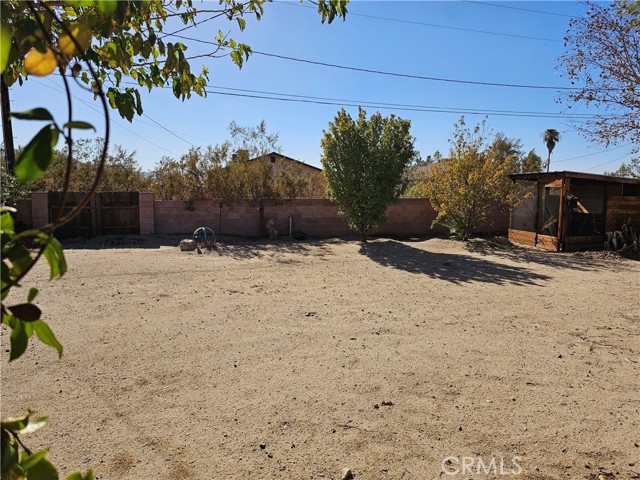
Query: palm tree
x=550, y=136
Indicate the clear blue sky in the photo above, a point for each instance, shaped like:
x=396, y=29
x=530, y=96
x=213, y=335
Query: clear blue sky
x=403, y=45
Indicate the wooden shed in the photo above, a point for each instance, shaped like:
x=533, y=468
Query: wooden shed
x=570, y=211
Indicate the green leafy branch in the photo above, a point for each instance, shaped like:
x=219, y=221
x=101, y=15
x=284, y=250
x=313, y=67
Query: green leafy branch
x=22, y=251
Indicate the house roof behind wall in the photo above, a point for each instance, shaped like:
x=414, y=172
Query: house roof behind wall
x=287, y=158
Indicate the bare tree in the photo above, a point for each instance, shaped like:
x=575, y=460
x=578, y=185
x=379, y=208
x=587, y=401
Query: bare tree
x=603, y=61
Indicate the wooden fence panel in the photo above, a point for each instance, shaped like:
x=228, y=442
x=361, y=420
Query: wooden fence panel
x=108, y=213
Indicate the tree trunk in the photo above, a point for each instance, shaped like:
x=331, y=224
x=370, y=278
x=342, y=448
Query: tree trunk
x=7, y=130
x=548, y=161
x=363, y=234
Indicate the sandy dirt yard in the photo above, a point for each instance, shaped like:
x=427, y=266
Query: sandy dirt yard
x=294, y=360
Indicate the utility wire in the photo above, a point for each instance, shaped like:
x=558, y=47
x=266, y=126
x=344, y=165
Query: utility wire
x=171, y=132
x=434, y=25
x=520, y=8
x=382, y=107
x=610, y=161
x=351, y=102
x=92, y=107
x=594, y=153
x=383, y=72
x=452, y=109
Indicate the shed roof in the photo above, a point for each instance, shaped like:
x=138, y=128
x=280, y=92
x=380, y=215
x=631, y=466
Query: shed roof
x=538, y=176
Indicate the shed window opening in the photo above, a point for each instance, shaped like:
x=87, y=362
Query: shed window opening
x=523, y=215
x=586, y=210
x=550, y=211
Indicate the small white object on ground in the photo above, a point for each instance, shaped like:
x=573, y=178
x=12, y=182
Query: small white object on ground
x=346, y=474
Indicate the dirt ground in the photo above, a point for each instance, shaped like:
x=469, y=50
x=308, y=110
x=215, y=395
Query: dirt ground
x=294, y=360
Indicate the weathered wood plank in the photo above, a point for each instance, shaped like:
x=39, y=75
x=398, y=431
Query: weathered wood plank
x=522, y=237
x=547, y=242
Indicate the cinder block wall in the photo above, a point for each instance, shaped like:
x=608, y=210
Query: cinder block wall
x=39, y=209
x=22, y=217
x=410, y=217
x=237, y=218
x=146, y=214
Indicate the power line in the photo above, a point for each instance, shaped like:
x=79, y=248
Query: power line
x=171, y=132
x=610, y=161
x=520, y=8
x=175, y=134
x=351, y=102
x=384, y=107
x=92, y=107
x=434, y=25
x=392, y=74
x=594, y=153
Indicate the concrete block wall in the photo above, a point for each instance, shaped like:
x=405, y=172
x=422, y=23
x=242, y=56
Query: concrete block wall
x=174, y=216
x=39, y=209
x=410, y=217
x=146, y=213
x=315, y=217
x=23, y=216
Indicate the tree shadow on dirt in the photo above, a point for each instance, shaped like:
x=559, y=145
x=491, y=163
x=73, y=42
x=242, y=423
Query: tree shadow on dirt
x=231, y=246
x=240, y=249
x=454, y=268
x=584, y=261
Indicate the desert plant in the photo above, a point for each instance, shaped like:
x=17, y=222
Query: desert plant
x=624, y=240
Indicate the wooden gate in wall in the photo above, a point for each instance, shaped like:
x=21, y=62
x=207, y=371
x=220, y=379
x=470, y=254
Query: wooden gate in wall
x=108, y=213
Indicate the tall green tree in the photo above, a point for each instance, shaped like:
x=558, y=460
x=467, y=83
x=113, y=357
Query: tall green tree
x=364, y=162
x=503, y=147
x=550, y=137
x=531, y=162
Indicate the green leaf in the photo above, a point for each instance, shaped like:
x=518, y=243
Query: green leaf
x=33, y=293
x=79, y=3
x=33, y=114
x=29, y=461
x=19, y=257
x=27, y=312
x=46, y=336
x=15, y=424
x=79, y=125
x=5, y=46
x=43, y=470
x=6, y=223
x=10, y=468
x=107, y=6
x=33, y=426
x=5, y=276
x=19, y=340
x=55, y=257
x=79, y=476
x=237, y=58
x=36, y=156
